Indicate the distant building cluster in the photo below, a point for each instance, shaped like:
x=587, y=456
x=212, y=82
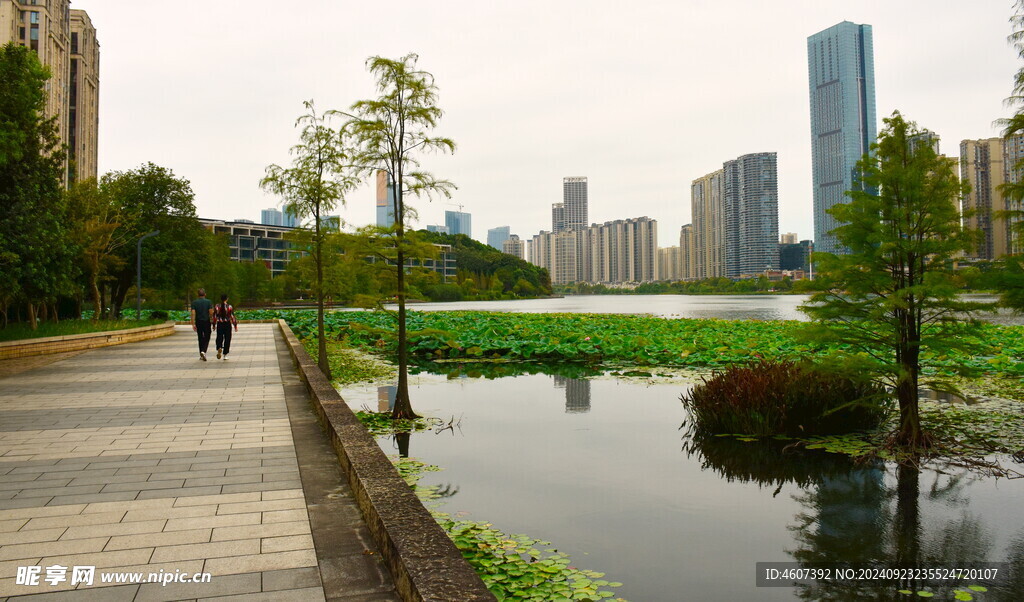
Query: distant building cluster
x=615, y=252
x=65, y=41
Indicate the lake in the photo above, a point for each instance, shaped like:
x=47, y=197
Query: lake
x=600, y=468
x=725, y=307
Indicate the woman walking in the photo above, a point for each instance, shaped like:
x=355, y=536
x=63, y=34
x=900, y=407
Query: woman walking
x=224, y=318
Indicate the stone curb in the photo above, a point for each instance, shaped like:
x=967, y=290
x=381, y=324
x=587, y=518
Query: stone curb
x=424, y=562
x=79, y=342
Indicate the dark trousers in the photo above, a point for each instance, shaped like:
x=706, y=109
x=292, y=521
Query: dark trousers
x=203, y=330
x=224, y=336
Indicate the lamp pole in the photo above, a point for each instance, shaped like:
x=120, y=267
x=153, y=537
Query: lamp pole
x=138, y=274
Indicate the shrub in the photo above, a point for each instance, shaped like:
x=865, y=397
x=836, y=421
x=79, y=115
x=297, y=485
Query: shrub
x=158, y=314
x=772, y=398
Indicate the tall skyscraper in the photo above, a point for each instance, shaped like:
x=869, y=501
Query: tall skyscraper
x=841, y=70
x=65, y=42
x=986, y=165
x=574, y=198
x=497, y=236
x=458, y=222
x=751, y=214
x=385, y=200
x=707, y=198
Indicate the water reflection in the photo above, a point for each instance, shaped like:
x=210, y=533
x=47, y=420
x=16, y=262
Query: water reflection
x=577, y=394
x=855, y=514
x=386, y=398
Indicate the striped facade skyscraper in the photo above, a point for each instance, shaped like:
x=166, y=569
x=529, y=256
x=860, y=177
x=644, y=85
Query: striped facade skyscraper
x=841, y=70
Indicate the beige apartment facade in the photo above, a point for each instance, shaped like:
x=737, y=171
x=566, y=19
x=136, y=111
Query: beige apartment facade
x=616, y=252
x=987, y=164
x=47, y=27
x=84, y=98
x=688, y=261
x=707, y=195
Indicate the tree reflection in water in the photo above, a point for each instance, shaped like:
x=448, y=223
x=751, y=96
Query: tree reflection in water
x=868, y=514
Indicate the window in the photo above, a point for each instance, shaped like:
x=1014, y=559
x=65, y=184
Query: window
x=33, y=17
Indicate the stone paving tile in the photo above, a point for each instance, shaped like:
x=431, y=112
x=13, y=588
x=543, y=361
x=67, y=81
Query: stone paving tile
x=156, y=454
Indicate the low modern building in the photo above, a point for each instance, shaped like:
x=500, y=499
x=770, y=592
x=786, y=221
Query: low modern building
x=251, y=242
x=254, y=242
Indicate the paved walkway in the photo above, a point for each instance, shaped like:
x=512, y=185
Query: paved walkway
x=142, y=459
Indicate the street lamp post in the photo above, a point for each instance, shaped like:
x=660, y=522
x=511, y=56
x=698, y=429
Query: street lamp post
x=138, y=274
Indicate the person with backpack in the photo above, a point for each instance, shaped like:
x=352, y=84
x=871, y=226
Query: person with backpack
x=224, y=318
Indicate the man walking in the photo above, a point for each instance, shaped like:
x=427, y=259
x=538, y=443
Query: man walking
x=202, y=314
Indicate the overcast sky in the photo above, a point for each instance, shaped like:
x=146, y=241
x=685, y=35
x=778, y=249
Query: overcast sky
x=641, y=98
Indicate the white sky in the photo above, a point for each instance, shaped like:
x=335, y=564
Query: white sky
x=641, y=97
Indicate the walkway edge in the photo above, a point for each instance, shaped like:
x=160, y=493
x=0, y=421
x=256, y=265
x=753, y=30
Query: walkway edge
x=80, y=342
x=424, y=562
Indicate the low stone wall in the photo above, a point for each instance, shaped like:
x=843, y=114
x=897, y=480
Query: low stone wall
x=79, y=342
x=424, y=562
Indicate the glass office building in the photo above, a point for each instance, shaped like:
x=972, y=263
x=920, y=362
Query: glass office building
x=841, y=70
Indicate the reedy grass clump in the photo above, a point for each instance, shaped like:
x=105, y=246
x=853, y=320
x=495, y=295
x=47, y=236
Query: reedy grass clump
x=784, y=398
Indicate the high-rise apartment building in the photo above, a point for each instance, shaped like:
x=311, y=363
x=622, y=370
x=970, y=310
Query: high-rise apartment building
x=514, y=246
x=789, y=238
x=686, y=248
x=841, y=70
x=557, y=217
x=986, y=165
x=271, y=217
x=458, y=222
x=707, y=196
x=574, y=199
x=497, y=236
x=65, y=42
x=670, y=264
x=385, y=200
x=615, y=252
x=83, y=100
x=751, y=214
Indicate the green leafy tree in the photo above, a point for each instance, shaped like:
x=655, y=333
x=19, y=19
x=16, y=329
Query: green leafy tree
x=892, y=298
x=36, y=254
x=150, y=198
x=312, y=187
x=1010, y=279
x=393, y=131
x=96, y=221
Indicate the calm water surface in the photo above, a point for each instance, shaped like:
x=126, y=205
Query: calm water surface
x=601, y=468
x=726, y=307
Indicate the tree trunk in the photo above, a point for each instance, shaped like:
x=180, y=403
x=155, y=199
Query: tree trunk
x=97, y=302
x=321, y=337
x=403, y=403
x=32, y=316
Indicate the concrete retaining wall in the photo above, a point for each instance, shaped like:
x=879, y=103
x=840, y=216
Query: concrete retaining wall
x=78, y=342
x=424, y=562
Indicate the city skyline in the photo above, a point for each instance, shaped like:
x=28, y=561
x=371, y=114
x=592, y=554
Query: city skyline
x=578, y=105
